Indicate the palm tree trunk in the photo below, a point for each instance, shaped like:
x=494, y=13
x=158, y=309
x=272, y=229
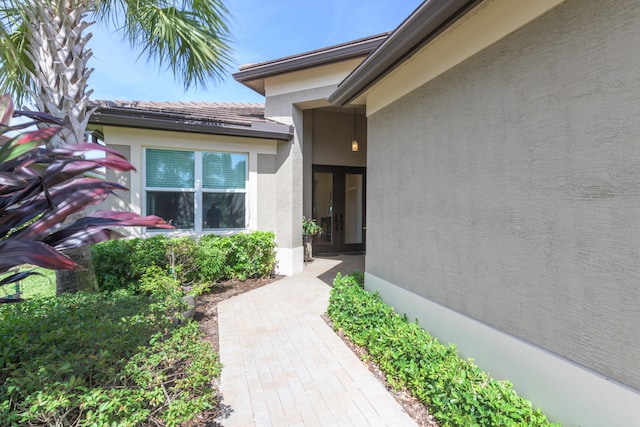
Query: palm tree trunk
x=57, y=50
x=77, y=280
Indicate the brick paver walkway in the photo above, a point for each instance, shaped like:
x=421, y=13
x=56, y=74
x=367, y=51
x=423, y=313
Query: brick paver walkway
x=284, y=366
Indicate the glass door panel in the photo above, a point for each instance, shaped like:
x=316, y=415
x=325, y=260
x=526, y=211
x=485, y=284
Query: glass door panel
x=353, y=209
x=339, y=208
x=323, y=206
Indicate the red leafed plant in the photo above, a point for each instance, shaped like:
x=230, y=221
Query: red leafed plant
x=40, y=187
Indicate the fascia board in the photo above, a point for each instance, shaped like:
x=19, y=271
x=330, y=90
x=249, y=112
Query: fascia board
x=431, y=18
x=256, y=130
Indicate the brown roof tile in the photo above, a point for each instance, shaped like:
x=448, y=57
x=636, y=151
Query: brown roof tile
x=211, y=112
x=240, y=119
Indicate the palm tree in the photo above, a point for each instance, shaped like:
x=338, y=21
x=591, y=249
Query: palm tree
x=44, y=52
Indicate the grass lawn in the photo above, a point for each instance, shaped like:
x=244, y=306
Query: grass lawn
x=36, y=286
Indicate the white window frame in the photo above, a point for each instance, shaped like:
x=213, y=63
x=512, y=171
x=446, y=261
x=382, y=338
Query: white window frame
x=198, y=190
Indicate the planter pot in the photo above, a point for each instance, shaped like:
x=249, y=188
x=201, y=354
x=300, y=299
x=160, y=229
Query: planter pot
x=191, y=302
x=308, y=249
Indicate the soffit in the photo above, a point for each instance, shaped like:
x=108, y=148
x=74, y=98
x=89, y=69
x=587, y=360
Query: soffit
x=309, y=78
x=254, y=75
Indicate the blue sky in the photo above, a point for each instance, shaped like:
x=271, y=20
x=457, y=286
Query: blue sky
x=260, y=30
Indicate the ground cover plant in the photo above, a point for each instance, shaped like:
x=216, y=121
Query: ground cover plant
x=98, y=359
x=120, y=357
x=457, y=392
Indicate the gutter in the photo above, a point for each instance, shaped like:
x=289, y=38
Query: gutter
x=268, y=130
x=310, y=59
x=429, y=20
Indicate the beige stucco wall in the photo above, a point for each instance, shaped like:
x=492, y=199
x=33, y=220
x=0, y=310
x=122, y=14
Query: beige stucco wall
x=293, y=98
x=122, y=199
x=291, y=176
x=506, y=189
x=332, y=135
x=267, y=206
x=488, y=22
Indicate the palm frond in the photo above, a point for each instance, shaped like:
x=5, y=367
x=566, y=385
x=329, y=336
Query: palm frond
x=191, y=38
x=15, y=63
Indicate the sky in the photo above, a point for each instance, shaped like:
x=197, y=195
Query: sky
x=260, y=31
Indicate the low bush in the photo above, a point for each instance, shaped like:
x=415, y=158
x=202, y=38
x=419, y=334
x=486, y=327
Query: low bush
x=98, y=359
x=148, y=252
x=456, y=390
x=122, y=264
x=112, y=264
x=212, y=258
x=245, y=254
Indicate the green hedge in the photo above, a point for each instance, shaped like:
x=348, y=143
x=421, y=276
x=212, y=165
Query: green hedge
x=456, y=390
x=102, y=359
x=121, y=264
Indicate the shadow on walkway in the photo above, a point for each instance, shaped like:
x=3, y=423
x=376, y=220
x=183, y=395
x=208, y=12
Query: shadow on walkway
x=347, y=264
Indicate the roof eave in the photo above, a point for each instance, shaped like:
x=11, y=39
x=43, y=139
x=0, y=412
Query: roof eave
x=312, y=59
x=277, y=131
x=430, y=19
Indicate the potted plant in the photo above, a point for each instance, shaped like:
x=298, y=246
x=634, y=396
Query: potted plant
x=309, y=229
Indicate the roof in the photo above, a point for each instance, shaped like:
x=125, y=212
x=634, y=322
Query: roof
x=236, y=119
x=424, y=24
x=252, y=75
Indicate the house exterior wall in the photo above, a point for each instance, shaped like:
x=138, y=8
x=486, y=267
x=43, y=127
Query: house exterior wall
x=486, y=23
x=267, y=206
x=123, y=200
x=291, y=176
x=261, y=186
x=506, y=191
x=332, y=135
x=310, y=78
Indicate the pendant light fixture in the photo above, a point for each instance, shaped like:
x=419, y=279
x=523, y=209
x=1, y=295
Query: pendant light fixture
x=354, y=142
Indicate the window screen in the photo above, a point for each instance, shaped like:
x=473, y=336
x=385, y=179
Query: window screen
x=170, y=168
x=225, y=171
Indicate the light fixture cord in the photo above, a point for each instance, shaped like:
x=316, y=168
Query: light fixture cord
x=354, y=125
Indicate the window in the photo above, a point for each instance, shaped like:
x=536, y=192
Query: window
x=197, y=190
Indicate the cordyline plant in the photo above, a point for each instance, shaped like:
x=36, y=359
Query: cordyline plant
x=40, y=187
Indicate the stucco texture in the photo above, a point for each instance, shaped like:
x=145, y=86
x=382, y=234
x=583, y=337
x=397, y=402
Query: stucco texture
x=508, y=188
x=332, y=136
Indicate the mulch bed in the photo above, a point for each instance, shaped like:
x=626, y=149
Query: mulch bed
x=207, y=315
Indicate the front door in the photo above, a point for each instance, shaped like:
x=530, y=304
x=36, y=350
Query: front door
x=339, y=208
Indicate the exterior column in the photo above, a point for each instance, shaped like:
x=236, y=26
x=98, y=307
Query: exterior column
x=289, y=197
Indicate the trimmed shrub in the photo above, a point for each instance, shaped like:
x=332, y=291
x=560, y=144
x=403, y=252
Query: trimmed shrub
x=122, y=264
x=212, y=258
x=250, y=255
x=456, y=390
x=148, y=252
x=182, y=259
x=112, y=264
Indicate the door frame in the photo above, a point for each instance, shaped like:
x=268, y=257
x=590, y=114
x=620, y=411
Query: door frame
x=343, y=171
